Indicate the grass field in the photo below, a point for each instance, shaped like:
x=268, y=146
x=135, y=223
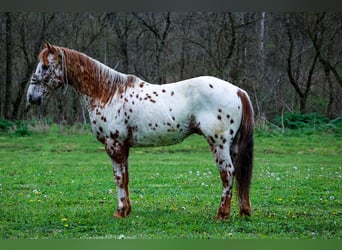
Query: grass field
x=60, y=185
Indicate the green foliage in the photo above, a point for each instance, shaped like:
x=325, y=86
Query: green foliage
x=308, y=123
x=299, y=120
x=17, y=128
x=21, y=129
x=5, y=125
x=59, y=185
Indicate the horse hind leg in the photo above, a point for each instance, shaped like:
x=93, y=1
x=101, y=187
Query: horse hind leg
x=226, y=169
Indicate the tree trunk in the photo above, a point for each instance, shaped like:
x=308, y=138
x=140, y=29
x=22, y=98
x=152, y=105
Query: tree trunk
x=262, y=43
x=302, y=94
x=20, y=94
x=160, y=35
x=8, y=94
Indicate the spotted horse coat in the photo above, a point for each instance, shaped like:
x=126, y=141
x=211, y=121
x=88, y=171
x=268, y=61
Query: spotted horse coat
x=126, y=112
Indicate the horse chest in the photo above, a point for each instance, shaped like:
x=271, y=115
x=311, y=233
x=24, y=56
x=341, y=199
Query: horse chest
x=106, y=125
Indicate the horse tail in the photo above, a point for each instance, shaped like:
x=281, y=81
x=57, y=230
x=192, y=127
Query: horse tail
x=244, y=158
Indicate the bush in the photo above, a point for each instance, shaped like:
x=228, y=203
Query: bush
x=18, y=128
x=307, y=122
x=21, y=129
x=5, y=125
x=299, y=120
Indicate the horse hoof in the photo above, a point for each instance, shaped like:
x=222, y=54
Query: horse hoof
x=221, y=216
x=117, y=214
x=246, y=212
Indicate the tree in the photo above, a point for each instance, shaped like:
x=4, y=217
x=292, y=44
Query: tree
x=121, y=24
x=216, y=37
x=8, y=96
x=159, y=26
x=29, y=56
x=297, y=79
x=324, y=38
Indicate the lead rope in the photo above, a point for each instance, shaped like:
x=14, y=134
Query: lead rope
x=64, y=69
x=66, y=85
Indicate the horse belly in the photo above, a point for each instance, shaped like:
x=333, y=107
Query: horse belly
x=153, y=141
x=154, y=136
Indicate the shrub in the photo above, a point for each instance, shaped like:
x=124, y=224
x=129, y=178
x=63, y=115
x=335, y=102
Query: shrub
x=5, y=125
x=308, y=122
x=17, y=128
x=21, y=129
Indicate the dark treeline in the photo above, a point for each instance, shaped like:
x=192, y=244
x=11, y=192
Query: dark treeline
x=288, y=62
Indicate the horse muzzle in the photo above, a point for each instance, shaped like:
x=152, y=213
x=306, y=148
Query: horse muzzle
x=37, y=100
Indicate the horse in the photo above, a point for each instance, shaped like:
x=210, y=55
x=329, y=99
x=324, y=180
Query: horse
x=126, y=111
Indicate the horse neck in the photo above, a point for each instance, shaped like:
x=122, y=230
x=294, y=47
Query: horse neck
x=94, y=79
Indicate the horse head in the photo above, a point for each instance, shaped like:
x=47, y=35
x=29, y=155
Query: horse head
x=49, y=74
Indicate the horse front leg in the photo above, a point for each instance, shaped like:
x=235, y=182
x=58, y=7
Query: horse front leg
x=121, y=178
x=119, y=156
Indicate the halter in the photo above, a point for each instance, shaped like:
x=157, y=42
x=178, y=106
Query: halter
x=36, y=79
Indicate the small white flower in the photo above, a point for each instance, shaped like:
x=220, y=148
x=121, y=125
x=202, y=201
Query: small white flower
x=331, y=198
x=35, y=191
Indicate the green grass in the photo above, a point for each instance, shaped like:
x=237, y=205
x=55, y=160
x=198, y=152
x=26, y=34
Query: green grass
x=60, y=185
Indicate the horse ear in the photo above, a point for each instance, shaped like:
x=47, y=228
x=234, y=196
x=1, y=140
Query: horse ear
x=48, y=46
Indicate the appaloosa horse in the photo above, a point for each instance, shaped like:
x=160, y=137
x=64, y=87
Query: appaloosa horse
x=126, y=111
